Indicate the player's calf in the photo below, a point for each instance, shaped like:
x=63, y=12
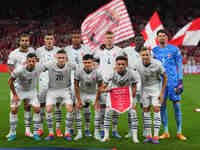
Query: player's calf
x=49, y=119
x=68, y=121
x=13, y=123
x=27, y=117
x=36, y=123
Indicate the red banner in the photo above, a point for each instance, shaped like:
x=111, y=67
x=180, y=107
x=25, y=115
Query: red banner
x=121, y=99
x=3, y=68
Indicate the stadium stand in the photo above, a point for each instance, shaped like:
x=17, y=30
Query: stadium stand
x=63, y=19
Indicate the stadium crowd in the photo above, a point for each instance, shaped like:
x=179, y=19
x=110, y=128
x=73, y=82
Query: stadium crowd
x=64, y=19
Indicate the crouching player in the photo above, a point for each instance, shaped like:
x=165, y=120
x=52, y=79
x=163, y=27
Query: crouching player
x=87, y=79
x=121, y=77
x=26, y=76
x=59, y=88
x=151, y=71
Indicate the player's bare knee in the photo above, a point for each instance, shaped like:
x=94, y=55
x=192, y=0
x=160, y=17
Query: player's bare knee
x=36, y=110
x=27, y=107
x=156, y=109
x=42, y=104
x=147, y=109
x=69, y=108
x=14, y=110
x=134, y=107
x=58, y=105
x=49, y=108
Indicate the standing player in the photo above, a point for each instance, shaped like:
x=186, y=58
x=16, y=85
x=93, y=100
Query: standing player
x=59, y=74
x=171, y=59
x=15, y=59
x=107, y=54
x=133, y=54
x=46, y=54
x=121, y=77
x=26, y=77
x=151, y=70
x=87, y=79
x=75, y=53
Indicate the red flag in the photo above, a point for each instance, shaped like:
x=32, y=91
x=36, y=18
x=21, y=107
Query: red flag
x=121, y=99
x=151, y=29
x=110, y=17
x=188, y=35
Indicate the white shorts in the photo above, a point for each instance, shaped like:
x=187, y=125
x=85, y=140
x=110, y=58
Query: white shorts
x=87, y=98
x=43, y=86
x=30, y=96
x=54, y=96
x=150, y=96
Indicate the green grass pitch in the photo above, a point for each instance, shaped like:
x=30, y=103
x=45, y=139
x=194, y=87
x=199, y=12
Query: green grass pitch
x=191, y=122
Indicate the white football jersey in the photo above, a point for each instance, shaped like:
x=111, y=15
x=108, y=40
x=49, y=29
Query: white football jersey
x=151, y=75
x=130, y=78
x=26, y=80
x=59, y=78
x=17, y=57
x=46, y=56
x=75, y=55
x=107, y=60
x=133, y=56
x=88, y=81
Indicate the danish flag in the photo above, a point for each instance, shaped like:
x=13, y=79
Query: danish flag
x=151, y=29
x=189, y=35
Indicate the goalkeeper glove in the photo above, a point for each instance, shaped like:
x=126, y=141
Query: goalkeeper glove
x=179, y=88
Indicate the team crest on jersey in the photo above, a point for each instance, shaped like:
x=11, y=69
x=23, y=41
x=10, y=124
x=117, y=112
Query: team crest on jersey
x=94, y=77
x=77, y=60
x=122, y=83
x=36, y=74
x=114, y=54
x=108, y=62
x=169, y=55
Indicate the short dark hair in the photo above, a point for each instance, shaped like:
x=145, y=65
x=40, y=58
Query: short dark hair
x=109, y=32
x=88, y=56
x=138, y=34
x=24, y=35
x=61, y=51
x=144, y=49
x=162, y=31
x=121, y=58
x=49, y=33
x=31, y=55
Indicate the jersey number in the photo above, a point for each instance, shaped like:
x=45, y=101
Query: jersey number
x=88, y=84
x=59, y=77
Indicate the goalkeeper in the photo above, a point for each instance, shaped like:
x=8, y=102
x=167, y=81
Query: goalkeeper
x=171, y=59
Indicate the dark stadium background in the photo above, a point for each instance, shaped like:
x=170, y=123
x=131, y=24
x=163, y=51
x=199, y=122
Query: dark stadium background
x=63, y=16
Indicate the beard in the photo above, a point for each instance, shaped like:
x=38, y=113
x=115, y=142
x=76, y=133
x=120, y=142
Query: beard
x=24, y=46
x=162, y=42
